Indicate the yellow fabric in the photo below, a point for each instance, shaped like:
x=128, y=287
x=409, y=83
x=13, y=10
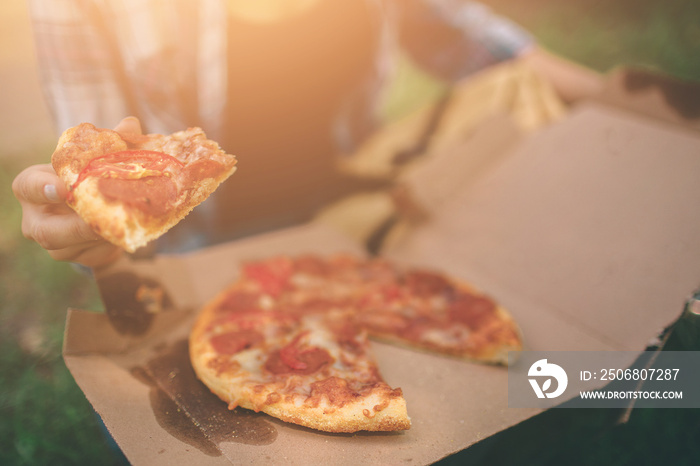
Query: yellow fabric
x=358, y=216
x=511, y=88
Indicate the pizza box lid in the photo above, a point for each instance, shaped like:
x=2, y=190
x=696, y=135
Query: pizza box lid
x=584, y=231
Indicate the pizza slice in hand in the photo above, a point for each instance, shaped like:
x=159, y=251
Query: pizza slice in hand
x=132, y=189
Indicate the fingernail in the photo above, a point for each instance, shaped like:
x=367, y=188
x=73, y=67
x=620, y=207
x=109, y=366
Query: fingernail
x=51, y=193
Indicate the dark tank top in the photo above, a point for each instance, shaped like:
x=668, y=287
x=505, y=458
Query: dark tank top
x=286, y=82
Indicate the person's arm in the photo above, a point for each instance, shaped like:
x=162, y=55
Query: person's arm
x=570, y=80
x=454, y=38
x=48, y=220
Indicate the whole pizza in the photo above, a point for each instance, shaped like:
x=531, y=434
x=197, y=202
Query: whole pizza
x=290, y=337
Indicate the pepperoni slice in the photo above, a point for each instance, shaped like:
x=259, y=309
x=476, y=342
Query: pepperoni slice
x=234, y=342
x=312, y=265
x=145, y=166
x=255, y=318
x=272, y=276
x=237, y=301
x=153, y=195
x=425, y=284
x=471, y=310
x=290, y=354
x=292, y=359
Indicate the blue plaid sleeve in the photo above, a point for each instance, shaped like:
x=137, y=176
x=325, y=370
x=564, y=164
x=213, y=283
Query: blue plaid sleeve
x=75, y=69
x=455, y=38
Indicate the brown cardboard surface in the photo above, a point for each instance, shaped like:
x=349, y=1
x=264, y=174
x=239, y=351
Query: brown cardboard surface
x=470, y=404
x=449, y=171
x=585, y=232
x=591, y=221
x=443, y=420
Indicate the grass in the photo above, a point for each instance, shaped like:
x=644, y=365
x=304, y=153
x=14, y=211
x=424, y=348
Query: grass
x=44, y=417
x=662, y=36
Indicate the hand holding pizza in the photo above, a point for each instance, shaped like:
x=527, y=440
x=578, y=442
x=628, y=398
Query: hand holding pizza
x=107, y=191
x=47, y=219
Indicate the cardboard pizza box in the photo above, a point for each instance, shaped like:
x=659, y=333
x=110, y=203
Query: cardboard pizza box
x=585, y=231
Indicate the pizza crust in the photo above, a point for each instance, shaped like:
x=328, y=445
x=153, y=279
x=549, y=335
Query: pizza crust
x=80, y=144
x=352, y=417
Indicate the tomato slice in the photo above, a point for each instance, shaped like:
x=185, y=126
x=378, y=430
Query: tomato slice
x=127, y=164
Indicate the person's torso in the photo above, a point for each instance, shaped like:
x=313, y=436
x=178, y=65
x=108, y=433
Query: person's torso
x=287, y=79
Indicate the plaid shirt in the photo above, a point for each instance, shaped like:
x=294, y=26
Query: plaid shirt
x=165, y=61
